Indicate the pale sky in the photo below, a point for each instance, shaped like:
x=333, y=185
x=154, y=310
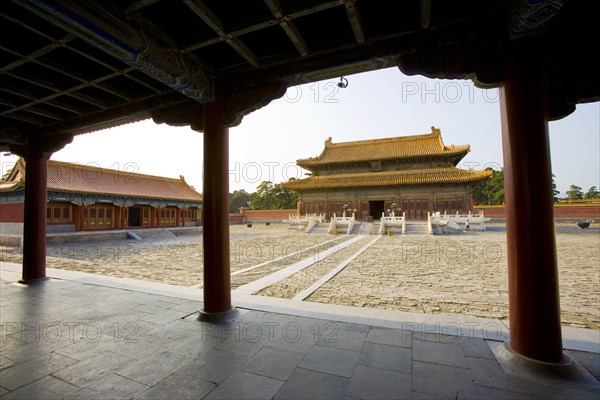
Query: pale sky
x=376, y=104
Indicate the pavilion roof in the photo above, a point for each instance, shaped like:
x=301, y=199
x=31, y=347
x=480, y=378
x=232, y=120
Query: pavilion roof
x=88, y=179
x=389, y=178
x=396, y=148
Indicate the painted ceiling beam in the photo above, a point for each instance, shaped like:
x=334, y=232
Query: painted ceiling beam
x=114, y=34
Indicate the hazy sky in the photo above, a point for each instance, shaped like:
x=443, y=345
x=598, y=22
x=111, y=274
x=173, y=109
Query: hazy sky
x=376, y=104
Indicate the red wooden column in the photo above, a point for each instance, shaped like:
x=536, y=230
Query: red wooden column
x=534, y=309
x=81, y=210
x=215, y=237
x=34, y=226
x=158, y=216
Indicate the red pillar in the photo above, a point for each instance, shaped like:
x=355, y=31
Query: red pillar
x=123, y=220
x=534, y=309
x=81, y=209
x=158, y=217
x=34, y=226
x=215, y=238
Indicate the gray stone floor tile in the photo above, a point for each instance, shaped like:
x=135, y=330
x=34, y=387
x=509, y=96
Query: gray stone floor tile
x=273, y=363
x=111, y=387
x=138, y=348
x=187, y=306
x=476, y=347
x=497, y=394
x=439, y=353
x=391, y=337
x=3, y=391
x=488, y=373
x=178, y=386
x=152, y=369
x=48, y=387
x=438, y=337
x=34, y=349
x=214, y=365
x=81, y=349
x=341, y=339
x=443, y=380
x=330, y=361
x=244, y=385
x=301, y=343
x=241, y=344
x=21, y=374
x=590, y=361
x=352, y=327
x=386, y=357
x=5, y=362
x=191, y=346
x=93, y=368
x=428, y=396
x=304, y=384
x=163, y=317
x=375, y=383
x=566, y=392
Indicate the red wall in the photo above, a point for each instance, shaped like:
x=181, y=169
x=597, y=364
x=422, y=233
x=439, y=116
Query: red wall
x=12, y=212
x=560, y=211
x=236, y=219
x=255, y=215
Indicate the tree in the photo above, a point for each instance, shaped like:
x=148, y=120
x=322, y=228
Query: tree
x=574, y=193
x=284, y=199
x=264, y=196
x=269, y=196
x=491, y=190
x=592, y=193
x=239, y=198
x=555, y=192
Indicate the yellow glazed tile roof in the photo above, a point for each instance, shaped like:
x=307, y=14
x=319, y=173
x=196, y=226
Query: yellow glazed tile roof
x=430, y=144
x=389, y=178
x=78, y=178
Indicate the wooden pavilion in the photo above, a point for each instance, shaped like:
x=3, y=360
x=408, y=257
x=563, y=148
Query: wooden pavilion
x=72, y=67
x=416, y=174
x=86, y=197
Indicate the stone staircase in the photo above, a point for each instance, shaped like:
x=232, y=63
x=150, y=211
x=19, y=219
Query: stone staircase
x=364, y=228
x=416, y=228
x=320, y=228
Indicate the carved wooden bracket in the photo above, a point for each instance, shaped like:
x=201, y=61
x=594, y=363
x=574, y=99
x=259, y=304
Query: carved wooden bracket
x=42, y=148
x=240, y=103
x=191, y=113
x=11, y=136
x=235, y=106
x=480, y=63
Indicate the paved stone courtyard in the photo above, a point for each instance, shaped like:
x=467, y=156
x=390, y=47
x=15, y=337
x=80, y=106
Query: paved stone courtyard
x=463, y=273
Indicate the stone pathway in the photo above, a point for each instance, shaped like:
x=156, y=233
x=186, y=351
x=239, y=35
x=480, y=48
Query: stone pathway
x=65, y=339
x=462, y=274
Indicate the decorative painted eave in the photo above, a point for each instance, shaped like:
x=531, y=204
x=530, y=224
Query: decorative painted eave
x=396, y=148
x=389, y=178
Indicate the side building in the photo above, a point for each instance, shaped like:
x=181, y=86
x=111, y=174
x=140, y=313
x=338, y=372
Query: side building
x=87, y=198
x=414, y=174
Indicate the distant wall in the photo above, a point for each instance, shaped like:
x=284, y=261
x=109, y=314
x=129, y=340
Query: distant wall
x=12, y=212
x=266, y=215
x=561, y=211
x=236, y=219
